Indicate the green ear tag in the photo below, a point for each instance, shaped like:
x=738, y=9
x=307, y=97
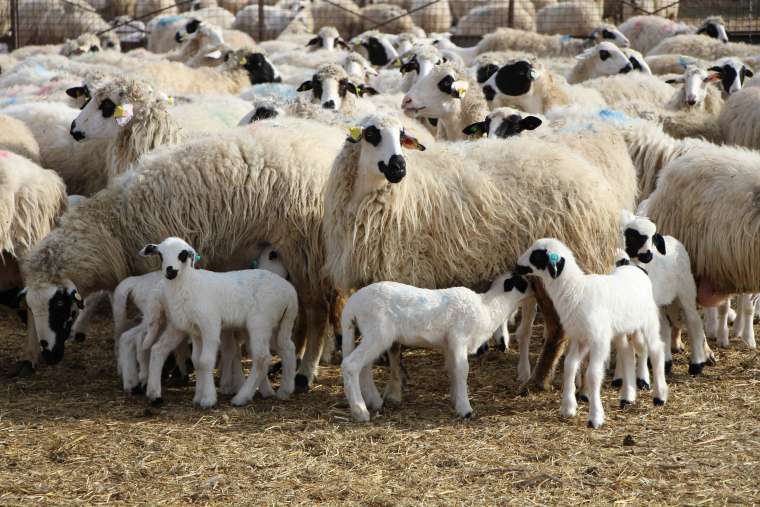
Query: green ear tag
x=197, y=257
x=254, y=264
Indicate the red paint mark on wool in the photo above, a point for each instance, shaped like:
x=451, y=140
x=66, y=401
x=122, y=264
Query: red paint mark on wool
x=4, y=153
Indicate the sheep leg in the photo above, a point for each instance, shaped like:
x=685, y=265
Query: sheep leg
x=598, y=354
x=618, y=375
x=657, y=357
x=697, y=338
x=555, y=342
x=259, y=338
x=747, y=312
x=208, y=342
x=127, y=359
x=143, y=362
x=711, y=321
x=315, y=340
x=230, y=364
x=573, y=358
x=369, y=390
x=169, y=340
x=459, y=368
x=626, y=357
x=722, y=333
x=370, y=348
x=287, y=352
x=31, y=354
x=393, y=389
x=665, y=331
x=523, y=334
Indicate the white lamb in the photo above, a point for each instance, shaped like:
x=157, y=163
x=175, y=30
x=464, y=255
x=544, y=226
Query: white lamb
x=594, y=311
x=203, y=303
x=457, y=321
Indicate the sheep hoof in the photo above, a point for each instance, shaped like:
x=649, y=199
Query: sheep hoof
x=79, y=337
x=711, y=359
x=501, y=346
x=157, y=402
x=338, y=342
x=659, y=402
x=139, y=389
x=275, y=369
x=642, y=384
x=618, y=382
x=482, y=350
x=524, y=391
x=302, y=383
x=625, y=403
x=23, y=369
x=593, y=426
x=668, y=367
x=468, y=415
x=581, y=397
x=696, y=369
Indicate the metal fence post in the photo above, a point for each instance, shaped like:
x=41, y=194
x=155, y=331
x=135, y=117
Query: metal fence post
x=14, y=23
x=511, y=14
x=261, y=20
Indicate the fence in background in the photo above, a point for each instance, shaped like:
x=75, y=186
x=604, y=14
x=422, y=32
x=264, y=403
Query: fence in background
x=25, y=22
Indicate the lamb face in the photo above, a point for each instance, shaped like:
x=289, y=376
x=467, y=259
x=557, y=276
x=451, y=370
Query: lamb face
x=381, y=156
x=176, y=256
x=55, y=309
x=641, y=237
x=607, y=59
x=419, y=65
x=503, y=122
x=546, y=259
x=436, y=95
x=732, y=74
x=329, y=86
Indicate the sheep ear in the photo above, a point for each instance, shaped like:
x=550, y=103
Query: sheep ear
x=556, y=269
x=76, y=92
x=530, y=123
x=474, y=129
x=354, y=135
x=622, y=262
x=659, y=243
x=411, y=143
x=77, y=298
x=149, y=249
x=351, y=88
x=459, y=88
x=305, y=86
x=715, y=69
x=712, y=77
x=748, y=72
x=313, y=41
x=272, y=255
x=342, y=44
x=367, y=90
x=516, y=282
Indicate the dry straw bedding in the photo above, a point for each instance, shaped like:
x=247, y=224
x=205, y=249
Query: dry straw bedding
x=69, y=437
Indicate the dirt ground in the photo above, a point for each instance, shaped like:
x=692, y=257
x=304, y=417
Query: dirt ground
x=69, y=436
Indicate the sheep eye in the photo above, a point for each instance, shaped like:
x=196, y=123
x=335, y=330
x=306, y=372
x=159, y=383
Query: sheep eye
x=372, y=135
x=604, y=54
x=108, y=108
x=606, y=34
x=445, y=84
x=94, y=49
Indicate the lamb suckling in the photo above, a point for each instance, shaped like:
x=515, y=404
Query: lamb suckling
x=203, y=303
x=456, y=321
x=596, y=310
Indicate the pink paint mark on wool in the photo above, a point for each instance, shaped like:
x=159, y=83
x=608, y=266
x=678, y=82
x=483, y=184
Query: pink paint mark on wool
x=4, y=153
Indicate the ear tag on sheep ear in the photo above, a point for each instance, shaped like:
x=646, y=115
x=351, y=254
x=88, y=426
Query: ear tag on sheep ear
x=197, y=257
x=242, y=61
x=170, y=100
x=460, y=88
x=533, y=74
x=355, y=134
x=396, y=63
x=554, y=258
x=254, y=264
x=123, y=114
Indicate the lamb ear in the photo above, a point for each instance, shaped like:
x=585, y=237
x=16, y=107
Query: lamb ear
x=516, y=282
x=556, y=269
x=659, y=243
x=530, y=123
x=312, y=42
x=474, y=129
x=305, y=86
x=149, y=249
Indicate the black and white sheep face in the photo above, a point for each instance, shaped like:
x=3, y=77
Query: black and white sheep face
x=80, y=95
x=511, y=282
x=328, y=39
x=512, y=80
x=695, y=82
x=102, y=118
x=381, y=150
x=176, y=256
x=329, y=91
x=637, y=61
x=187, y=31
x=641, y=238
x=261, y=111
x=611, y=34
x=715, y=29
x=607, y=59
x=732, y=74
x=54, y=309
x=503, y=122
x=416, y=68
x=260, y=69
x=439, y=94
x=358, y=69
x=546, y=259
x=380, y=51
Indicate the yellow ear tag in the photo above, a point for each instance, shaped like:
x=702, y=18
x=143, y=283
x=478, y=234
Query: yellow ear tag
x=460, y=87
x=241, y=61
x=123, y=114
x=355, y=133
x=170, y=100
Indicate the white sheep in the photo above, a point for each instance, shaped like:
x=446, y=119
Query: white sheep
x=203, y=303
x=328, y=39
x=705, y=48
x=645, y=32
x=573, y=18
x=604, y=59
x=596, y=310
x=457, y=321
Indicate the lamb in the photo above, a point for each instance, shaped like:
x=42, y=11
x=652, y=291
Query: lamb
x=596, y=310
x=574, y=18
x=270, y=175
x=604, y=59
x=456, y=321
x=450, y=95
x=667, y=262
x=374, y=223
x=202, y=303
x=525, y=84
x=506, y=39
x=133, y=117
x=645, y=32
x=702, y=47
x=328, y=38
x=15, y=136
x=503, y=122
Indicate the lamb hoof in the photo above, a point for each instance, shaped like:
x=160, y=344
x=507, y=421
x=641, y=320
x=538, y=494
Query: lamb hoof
x=23, y=369
x=625, y=403
x=482, y=350
x=338, y=342
x=79, y=337
x=581, y=397
x=139, y=389
x=592, y=425
x=157, y=402
x=642, y=384
x=468, y=415
x=696, y=369
x=275, y=369
x=658, y=402
x=501, y=346
x=618, y=382
x=302, y=384
x=668, y=367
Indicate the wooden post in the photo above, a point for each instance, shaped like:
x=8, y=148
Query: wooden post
x=511, y=14
x=14, y=24
x=261, y=21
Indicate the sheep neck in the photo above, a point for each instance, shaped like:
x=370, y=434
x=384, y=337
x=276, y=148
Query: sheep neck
x=567, y=293
x=499, y=305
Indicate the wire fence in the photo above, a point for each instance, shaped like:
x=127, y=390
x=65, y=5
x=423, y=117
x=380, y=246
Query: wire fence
x=131, y=22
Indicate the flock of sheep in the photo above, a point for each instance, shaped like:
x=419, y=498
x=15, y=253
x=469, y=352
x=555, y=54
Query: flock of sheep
x=271, y=180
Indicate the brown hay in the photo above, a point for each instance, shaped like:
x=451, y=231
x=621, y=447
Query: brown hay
x=68, y=436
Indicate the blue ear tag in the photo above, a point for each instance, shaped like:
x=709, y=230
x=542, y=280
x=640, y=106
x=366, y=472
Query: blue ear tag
x=554, y=258
x=254, y=264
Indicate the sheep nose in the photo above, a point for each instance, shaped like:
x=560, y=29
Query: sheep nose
x=171, y=273
x=77, y=135
x=406, y=102
x=691, y=100
x=626, y=69
x=44, y=343
x=330, y=104
x=395, y=170
x=178, y=37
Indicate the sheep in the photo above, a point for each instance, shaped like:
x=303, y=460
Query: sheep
x=596, y=310
x=15, y=136
x=637, y=60
x=487, y=18
x=604, y=59
x=205, y=114
x=131, y=116
x=456, y=321
x=374, y=223
x=330, y=87
x=450, y=95
x=162, y=29
x=390, y=18
x=327, y=38
x=702, y=47
x=86, y=42
x=275, y=21
x=380, y=51
x=358, y=68
x=202, y=303
x=667, y=262
x=618, y=90
x=732, y=73
x=573, y=18
x=270, y=175
x=503, y=122
x=431, y=18
x=525, y=84
x=739, y=121
x=696, y=92
x=417, y=63
x=262, y=110
x=201, y=45
x=645, y=32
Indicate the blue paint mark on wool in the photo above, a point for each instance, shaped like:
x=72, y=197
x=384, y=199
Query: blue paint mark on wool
x=42, y=71
x=274, y=91
x=566, y=38
x=616, y=116
x=168, y=20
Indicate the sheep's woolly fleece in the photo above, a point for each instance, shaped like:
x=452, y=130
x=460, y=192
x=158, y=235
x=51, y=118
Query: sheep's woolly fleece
x=15, y=136
x=464, y=213
x=740, y=118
